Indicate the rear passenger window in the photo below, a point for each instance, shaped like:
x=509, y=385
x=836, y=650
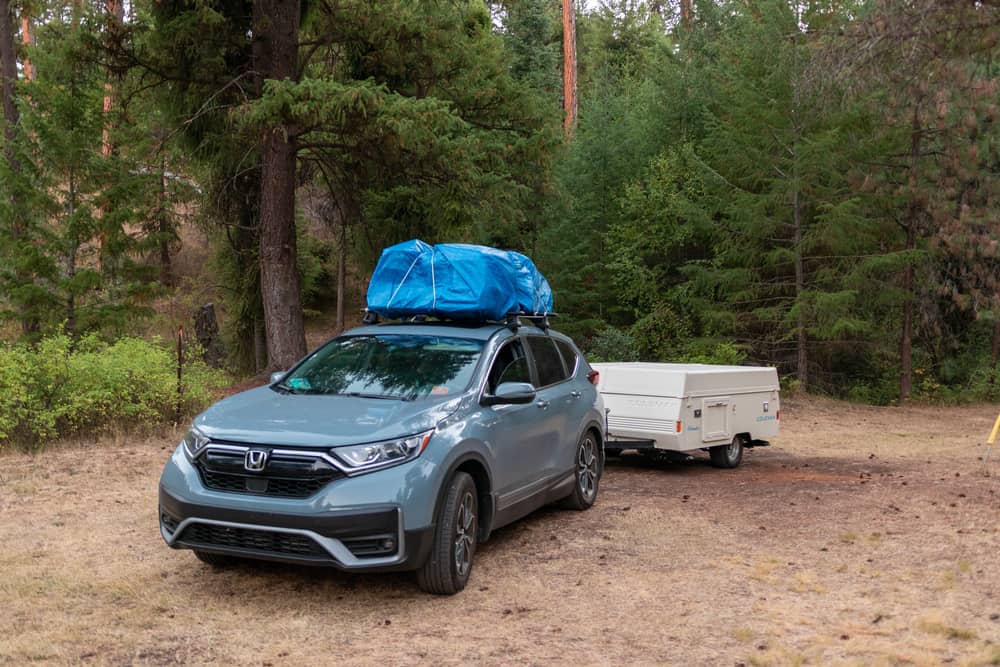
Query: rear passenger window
x=568, y=355
x=547, y=361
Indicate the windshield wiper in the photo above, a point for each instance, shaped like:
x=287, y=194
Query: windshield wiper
x=285, y=389
x=390, y=397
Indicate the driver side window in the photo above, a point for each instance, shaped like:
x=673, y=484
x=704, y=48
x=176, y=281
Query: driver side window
x=510, y=365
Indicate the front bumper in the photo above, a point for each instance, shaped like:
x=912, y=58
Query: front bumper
x=367, y=536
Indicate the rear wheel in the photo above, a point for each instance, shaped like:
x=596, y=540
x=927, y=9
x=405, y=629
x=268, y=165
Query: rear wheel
x=727, y=456
x=447, y=570
x=587, y=471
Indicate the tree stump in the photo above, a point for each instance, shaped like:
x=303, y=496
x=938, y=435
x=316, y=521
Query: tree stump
x=206, y=330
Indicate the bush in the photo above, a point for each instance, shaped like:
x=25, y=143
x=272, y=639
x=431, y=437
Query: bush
x=613, y=344
x=59, y=388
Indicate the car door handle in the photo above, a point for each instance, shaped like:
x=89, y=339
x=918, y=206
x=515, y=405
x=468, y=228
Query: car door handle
x=542, y=404
x=575, y=394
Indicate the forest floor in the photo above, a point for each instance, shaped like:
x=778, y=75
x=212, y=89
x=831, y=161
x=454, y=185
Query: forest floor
x=862, y=536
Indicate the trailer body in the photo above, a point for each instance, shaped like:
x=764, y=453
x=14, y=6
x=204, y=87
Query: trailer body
x=685, y=407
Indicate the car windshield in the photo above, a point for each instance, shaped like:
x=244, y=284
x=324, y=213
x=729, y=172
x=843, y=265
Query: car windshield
x=390, y=366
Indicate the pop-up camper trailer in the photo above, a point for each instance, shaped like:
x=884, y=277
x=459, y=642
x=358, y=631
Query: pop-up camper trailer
x=686, y=407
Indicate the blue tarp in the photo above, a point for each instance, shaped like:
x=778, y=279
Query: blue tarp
x=456, y=281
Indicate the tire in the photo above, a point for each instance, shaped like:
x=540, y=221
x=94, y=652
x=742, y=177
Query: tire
x=587, y=470
x=217, y=561
x=449, y=565
x=727, y=456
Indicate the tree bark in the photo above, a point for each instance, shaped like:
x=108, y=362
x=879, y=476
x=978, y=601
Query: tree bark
x=11, y=120
x=276, y=27
x=686, y=14
x=163, y=227
x=27, y=39
x=341, y=274
x=569, y=67
x=802, y=359
x=115, y=16
x=8, y=74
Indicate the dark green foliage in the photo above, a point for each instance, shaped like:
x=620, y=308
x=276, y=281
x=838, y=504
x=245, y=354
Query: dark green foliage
x=73, y=262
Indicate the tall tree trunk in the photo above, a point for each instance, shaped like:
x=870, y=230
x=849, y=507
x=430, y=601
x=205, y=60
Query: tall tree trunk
x=27, y=38
x=74, y=248
x=115, y=17
x=276, y=27
x=801, y=354
x=686, y=14
x=341, y=274
x=163, y=227
x=11, y=120
x=569, y=67
x=802, y=359
x=910, y=227
x=8, y=77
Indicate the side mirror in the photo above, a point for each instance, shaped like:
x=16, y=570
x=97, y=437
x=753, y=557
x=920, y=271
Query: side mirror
x=511, y=393
x=277, y=375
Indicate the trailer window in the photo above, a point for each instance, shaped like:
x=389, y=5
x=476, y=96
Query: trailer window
x=547, y=361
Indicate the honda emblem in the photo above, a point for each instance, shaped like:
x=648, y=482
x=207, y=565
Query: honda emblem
x=255, y=460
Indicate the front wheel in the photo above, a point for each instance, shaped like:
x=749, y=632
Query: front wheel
x=727, y=456
x=587, y=471
x=447, y=570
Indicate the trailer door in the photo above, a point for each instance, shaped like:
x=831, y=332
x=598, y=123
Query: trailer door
x=715, y=419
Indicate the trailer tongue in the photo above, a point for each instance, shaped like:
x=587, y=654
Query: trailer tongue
x=688, y=407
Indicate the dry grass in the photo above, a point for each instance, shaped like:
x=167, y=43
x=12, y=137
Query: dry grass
x=677, y=564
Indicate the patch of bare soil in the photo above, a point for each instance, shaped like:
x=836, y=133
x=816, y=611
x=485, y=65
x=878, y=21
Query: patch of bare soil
x=861, y=536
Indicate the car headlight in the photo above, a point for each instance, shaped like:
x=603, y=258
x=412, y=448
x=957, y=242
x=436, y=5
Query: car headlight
x=194, y=442
x=374, y=455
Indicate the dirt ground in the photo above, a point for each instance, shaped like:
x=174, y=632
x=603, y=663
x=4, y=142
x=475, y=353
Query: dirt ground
x=862, y=536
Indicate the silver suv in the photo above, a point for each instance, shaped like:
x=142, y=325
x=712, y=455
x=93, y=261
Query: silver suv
x=391, y=447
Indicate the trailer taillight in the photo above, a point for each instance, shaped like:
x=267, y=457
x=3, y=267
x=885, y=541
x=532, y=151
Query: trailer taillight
x=594, y=377
x=678, y=427
x=777, y=415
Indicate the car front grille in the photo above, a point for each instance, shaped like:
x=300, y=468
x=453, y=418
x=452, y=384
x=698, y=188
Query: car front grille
x=283, y=476
x=266, y=541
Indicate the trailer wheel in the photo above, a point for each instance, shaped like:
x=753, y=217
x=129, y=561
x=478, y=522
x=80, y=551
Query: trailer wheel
x=727, y=456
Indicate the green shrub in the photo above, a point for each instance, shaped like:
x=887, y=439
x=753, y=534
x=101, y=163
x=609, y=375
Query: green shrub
x=59, y=388
x=612, y=344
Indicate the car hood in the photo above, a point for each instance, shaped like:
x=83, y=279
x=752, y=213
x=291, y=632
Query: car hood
x=264, y=416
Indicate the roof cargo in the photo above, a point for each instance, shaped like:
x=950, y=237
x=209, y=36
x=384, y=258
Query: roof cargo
x=456, y=281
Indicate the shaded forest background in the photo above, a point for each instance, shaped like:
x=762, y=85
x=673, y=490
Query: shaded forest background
x=812, y=185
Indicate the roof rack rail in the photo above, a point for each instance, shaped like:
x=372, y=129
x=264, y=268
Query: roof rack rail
x=511, y=320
